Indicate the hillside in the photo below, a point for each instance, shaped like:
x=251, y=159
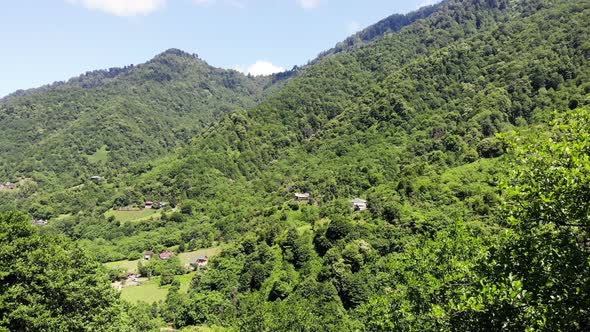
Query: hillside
x=464, y=127
x=341, y=129
x=104, y=121
x=408, y=123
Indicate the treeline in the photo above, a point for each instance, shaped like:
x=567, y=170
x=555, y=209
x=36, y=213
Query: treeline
x=106, y=121
x=477, y=202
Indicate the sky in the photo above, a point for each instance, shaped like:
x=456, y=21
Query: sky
x=44, y=41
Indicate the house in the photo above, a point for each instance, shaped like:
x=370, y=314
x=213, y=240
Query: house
x=96, y=178
x=8, y=185
x=200, y=260
x=160, y=205
x=148, y=255
x=302, y=197
x=39, y=222
x=166, y=255
x=149, y=204
x=359, y=204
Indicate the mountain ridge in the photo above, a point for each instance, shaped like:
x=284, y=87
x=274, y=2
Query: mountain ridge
x=466, y=133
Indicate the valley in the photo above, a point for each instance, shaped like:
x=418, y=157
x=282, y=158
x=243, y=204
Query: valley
x=428, y=173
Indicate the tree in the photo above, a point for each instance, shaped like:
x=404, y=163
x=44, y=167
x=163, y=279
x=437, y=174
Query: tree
x=49, y=284
x=538, y=277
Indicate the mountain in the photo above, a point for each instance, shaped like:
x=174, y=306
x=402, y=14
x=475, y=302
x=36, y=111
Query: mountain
x=408, y=122
x=110, y=119
x=419, y=96
x=464, y=126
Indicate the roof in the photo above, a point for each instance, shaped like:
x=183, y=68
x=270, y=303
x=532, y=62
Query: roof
x=149, y=203
x=198, y=259
x=304, y=195
x=166, y=255
x=358, y=201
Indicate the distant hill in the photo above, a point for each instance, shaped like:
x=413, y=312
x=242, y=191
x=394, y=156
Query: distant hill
x=112, y=118
x=386, y=121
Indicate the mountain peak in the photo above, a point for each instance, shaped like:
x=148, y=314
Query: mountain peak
x=177, y=52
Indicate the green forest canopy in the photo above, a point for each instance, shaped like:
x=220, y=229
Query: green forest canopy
x=465, y=128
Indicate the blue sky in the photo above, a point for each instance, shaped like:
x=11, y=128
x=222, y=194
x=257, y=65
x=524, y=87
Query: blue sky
x=51, y=40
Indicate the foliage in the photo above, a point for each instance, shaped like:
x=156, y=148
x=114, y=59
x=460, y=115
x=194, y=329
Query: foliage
x=50, y=284
x=537, y=278
x=413, y=118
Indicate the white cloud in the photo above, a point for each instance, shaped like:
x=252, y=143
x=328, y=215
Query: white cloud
x=261, y=68
x=122, y=7
x=309, y=4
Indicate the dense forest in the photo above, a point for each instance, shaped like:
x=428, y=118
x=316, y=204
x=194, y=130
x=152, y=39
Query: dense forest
x=463, y=126
x=104, y=121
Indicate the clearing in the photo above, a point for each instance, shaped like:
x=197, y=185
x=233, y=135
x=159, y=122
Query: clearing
x=150, y=291
x=124, y=216
x=101, y=155
x=185, y=258
x=129, y=266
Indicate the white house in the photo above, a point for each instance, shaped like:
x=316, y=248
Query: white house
x=359, y=204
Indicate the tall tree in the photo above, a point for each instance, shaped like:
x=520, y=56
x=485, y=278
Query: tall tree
x=49, y=284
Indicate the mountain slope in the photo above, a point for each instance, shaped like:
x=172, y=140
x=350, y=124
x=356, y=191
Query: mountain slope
x=449, y=90
x=410, y=122
x=341, y=129
x=118, y=116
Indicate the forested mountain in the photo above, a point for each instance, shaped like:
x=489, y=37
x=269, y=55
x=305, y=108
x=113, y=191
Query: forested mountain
x=106, y=120
x=464, y=126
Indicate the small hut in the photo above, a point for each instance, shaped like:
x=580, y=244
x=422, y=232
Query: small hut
x=359, y=204
x=302, y=196
x=200, y=260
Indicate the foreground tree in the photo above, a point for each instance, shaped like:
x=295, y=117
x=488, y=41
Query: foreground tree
x=49, y=284
x=539, y=277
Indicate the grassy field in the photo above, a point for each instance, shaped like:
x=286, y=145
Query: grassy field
x=136, y=215
x=129, y=266
x=100, y=155
x=185, y=258
x=185, y=281
x=150, y=291
x=61, y=217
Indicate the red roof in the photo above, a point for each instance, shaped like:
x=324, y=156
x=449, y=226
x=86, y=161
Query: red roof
x=149, y=203
x=166, y=255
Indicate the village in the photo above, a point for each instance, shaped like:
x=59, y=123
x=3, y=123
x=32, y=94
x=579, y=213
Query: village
x=134, y=277
x=136, y=281
x=136, y=286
